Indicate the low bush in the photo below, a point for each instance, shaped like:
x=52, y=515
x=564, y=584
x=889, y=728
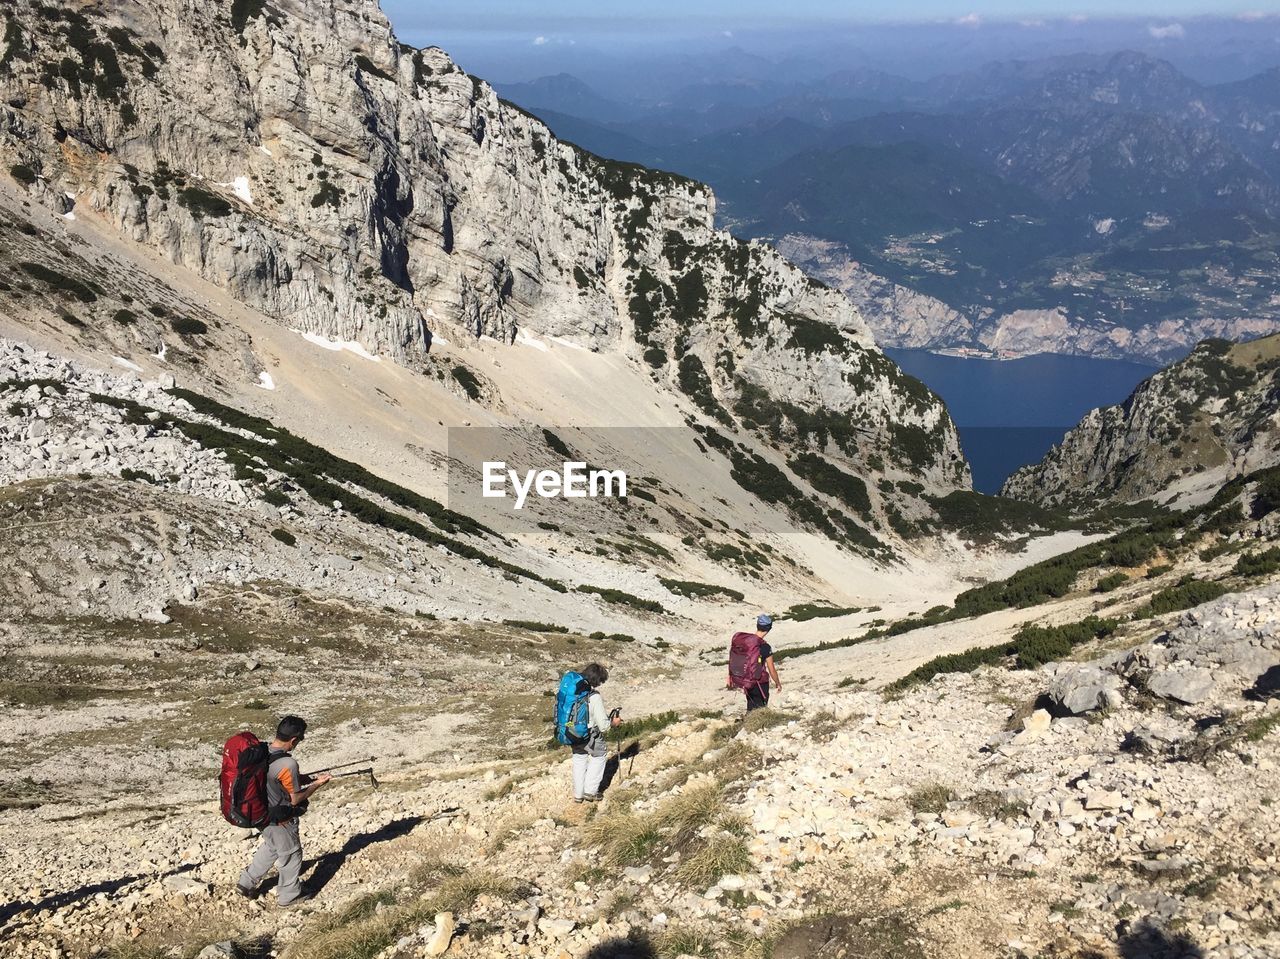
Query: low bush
x=803, y=612
x=1259, y=564
x=691, y=589
x=1110, y=583
x=622, y=598
x=187, y=326
x=534, y=627
x=1030, y=647
x=1185, y=594
x=284, y=536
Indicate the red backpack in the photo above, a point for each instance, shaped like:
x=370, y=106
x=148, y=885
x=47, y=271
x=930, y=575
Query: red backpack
x=746, y=668
x=243, y=781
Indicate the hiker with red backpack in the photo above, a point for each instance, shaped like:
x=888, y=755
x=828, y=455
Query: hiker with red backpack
x=262, y=788
x=582, y=723
x=751, y=664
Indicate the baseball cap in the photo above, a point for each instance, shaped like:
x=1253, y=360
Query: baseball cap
x=764, y=621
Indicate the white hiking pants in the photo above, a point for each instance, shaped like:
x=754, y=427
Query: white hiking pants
x=588, y=766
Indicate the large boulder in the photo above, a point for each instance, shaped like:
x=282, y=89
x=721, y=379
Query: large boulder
x=1081, y=688
x=1186, y=684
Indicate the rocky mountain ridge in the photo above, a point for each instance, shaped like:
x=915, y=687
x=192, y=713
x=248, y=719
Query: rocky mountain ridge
x=350, y=187
x=1184, y=431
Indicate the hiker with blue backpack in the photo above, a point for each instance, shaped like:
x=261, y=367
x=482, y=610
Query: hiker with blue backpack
x=582, y=723
x=751, y=664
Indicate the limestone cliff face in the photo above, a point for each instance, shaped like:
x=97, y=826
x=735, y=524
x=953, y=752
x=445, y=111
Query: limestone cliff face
x=1193, y=425
x=296, y=154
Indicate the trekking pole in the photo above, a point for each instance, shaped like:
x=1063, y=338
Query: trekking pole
x=368, y=771
x=354, y=762
x=617, y=746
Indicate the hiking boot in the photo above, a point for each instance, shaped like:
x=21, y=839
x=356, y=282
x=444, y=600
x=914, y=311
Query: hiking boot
x=246, y=892
x=592, y=797
x=579, y=800
x=295, y=903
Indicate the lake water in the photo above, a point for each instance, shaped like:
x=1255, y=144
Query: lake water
x=1010, y=412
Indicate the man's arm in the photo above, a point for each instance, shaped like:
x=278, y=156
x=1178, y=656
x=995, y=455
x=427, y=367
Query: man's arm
x=291, y=779
x=773, y=671
x=297, y=798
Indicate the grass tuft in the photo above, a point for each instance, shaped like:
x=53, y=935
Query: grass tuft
x=721, y=855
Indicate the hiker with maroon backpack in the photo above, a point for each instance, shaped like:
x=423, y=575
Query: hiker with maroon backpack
x=263, y=788
x=751, y=664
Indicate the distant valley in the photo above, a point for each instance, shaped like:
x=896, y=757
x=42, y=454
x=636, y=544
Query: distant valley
x=1092, y=205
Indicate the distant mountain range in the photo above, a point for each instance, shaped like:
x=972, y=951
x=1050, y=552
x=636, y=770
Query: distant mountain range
x=1102, y=205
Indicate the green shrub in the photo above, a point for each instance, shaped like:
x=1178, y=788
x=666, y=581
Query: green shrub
x=691, y=589
x=828, y=478
x=138, y=476
x=1112, y=582
x=622, y=598
x=1187, y=593
x=202, y=203
x=1031, y=646
x=125, y=317
x=57, y=282
x=467, y=380
x=655, y=356
x=284, y=536
x=23, y=174
x=1266, y=495
x=275, y=497
x=1259, y=564
x=534, y=627
x=803, y=612
x=326, y=194
x=188, y=326
x=242, y=11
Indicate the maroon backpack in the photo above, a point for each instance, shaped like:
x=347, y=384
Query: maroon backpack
x=243, y=781
x=746, y=668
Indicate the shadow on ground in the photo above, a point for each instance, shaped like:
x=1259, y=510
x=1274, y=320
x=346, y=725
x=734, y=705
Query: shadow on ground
x=1147, y=940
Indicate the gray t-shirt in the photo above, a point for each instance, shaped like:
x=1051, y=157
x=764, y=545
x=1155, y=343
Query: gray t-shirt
x=283, y=780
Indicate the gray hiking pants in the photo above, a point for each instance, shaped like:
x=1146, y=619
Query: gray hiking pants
x=588, y=765
x=281, y=847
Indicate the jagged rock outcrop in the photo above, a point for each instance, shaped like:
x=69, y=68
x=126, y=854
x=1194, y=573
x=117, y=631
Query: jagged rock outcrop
x=1196, y=424
x=295, y=153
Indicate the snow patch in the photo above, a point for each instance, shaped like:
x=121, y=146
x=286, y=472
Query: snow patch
x=351, y=346
x=240, y=187
x=569, y=343
x=127, y=364
x=528, y=339
x=1104, y=227
x=164, y=348
x=68, y=216
x=265, y=381
x=265, y=150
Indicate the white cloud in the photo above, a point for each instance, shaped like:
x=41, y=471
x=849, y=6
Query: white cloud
x=1031, y=24
x=1172, y=31
x=540, y=41
x=969, y=20
x=726, y=33
x=1253, y=16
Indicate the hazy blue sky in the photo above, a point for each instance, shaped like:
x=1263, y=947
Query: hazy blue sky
x=501, y=14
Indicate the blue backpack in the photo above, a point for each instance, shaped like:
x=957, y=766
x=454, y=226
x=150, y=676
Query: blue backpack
x=571, y=710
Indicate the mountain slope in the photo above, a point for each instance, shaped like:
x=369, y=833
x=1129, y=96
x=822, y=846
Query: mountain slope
x=1184, y=432
x=359, y=190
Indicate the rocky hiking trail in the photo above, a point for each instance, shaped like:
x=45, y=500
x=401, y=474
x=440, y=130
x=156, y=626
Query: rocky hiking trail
x=970, y=816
